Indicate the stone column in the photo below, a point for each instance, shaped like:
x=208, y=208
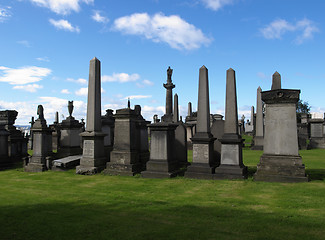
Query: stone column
x=41, y=134
x=93, y=157
x=203, y=164
x=56, y=121
x=168, y=117
x=280, y=161
x=231, y=164
x=259, y=133
x=189, y=112
x=176, y=111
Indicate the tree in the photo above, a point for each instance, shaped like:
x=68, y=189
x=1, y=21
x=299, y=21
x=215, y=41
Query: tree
x=302, y=107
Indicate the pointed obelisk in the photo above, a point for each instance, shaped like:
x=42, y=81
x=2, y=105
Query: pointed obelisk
x=280, y=161
x=176, y=111
x=259, y=133
x=168, y=117
x=93, y=158
x=231, y=164
x=203, y=164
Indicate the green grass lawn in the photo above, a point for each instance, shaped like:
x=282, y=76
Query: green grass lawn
x=63, y=205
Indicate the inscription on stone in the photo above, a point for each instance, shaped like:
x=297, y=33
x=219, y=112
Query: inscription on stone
x=88, y=150
x=316, y=130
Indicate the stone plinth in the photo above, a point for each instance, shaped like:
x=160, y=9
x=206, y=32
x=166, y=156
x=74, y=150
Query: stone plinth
x=181, y=145
x=280, y=161
x=70, y=138
x=162, y=162
x=130, y=151
x=38, y=162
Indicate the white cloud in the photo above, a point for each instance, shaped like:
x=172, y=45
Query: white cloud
x=84, y=91
x=173, y=30
x=24, y=43
x=43, y=59
x=81, y=81
x=23, y=75
x=261, y=75
x=137, y=97
x=99, y=18
x=65, y=91
x=145, y=83
x=64, y=25
x=120, y=77
x=216, y=4
x=277, y=28
x=5, y=14
x=29, y=87
x=62, y=6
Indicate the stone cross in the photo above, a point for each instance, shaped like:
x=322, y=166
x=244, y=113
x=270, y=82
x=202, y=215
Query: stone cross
x=276, y=81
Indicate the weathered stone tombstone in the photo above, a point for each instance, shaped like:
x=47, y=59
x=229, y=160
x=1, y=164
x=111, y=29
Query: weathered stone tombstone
x=203, y=164
x=190, y=123
x=303, y=131
x=317, y=138
x=70, y=130
x=108, y=124
x=231, y=164
x=17, y=143
x=130, y=151
x=39, y=161
x=259, y=130
x=5, y=160
x=217, y=130
x=56, y=133
x=93, y=157
x=280, y=161
x=30, y=140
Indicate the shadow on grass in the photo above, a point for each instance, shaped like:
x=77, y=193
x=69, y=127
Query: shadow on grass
x=316, y=174
x=151, y=220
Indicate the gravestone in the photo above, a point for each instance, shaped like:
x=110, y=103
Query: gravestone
x=4, y=156
x=190, y=123
x=259, y=132
x=30, y=140
x=231, y=163
x=280, y=161
x=130, y=151
x=203, y=163
x=108, y=128
x=70, y=130
x=217, y=130
x=39, y=161
x=93, y=156
x=56, y=133
x=317, y=139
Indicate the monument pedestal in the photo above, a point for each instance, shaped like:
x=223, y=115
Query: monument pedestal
x=93, y=158
x=258, y=143
x=231, y=166
x=124, y=163
x=203, y=166
x=280, y=168
x=162, y=162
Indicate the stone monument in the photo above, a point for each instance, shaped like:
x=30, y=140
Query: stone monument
x=56, y=133
x=4, y=156
x=259, y=132
x=203, y=164
x=39, y=161
x=128, y=157
x=231, y=164
x=168, y=117
x=108, y=124
x=280, y=161
x=93, y=157
x=70, y=130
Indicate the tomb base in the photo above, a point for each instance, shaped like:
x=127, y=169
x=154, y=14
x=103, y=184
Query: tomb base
x=66, y=163
x=123, y=163
x=68, y=151
x=161, y=169
x=200, y=171
x=280, y=168
x=35, y=167
x=230, y=172
x=258, y=143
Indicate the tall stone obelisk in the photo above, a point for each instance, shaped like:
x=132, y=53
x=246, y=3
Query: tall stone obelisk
x=231, y=164
x=168, y=117
x=259, y=132
x=280, y=161
x=176, y=111
x=203, y=164
x=93, y=157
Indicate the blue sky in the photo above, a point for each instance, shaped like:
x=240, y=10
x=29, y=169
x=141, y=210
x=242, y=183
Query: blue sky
x=46, y=46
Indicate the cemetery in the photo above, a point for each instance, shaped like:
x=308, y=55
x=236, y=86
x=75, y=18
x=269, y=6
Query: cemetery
x=167, y=178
